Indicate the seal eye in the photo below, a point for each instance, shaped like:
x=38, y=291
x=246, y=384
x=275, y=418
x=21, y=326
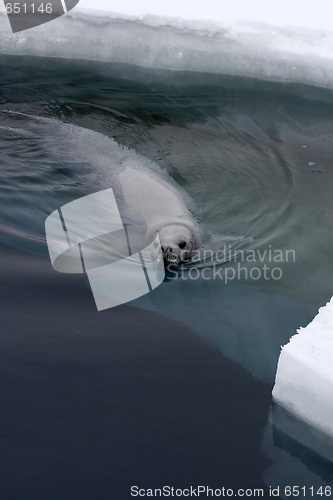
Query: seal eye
x=182, y=245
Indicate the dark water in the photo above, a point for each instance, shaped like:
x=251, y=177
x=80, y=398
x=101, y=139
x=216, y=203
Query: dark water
x=96, y=402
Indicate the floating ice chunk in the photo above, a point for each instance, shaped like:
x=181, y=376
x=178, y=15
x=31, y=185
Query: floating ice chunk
x=304, y=378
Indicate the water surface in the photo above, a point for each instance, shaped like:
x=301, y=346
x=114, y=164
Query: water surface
x=256, y=159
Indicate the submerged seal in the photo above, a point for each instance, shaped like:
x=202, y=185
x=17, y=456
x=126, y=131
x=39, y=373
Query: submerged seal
x=146, y=195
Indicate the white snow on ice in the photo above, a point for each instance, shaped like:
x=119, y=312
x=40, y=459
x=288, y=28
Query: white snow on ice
x=306, y=13
x=242, y=48
x=304, y=378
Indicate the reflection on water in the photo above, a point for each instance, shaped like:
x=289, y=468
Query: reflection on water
x=255, y=159
x=303, y=456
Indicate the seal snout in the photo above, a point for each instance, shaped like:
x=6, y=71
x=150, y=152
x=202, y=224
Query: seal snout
x=176, y=243
x=170, y=255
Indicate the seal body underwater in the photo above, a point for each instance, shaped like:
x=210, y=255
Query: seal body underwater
x=146, y=195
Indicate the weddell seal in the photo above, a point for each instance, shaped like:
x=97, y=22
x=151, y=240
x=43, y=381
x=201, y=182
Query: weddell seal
x=162, y=209
x=145, y=193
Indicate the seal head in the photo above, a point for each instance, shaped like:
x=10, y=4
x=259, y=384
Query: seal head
x=177, y=243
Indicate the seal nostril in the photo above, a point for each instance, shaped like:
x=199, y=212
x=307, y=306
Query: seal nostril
x=167, y=250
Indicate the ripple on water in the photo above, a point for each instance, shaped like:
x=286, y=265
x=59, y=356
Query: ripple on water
x=236, y=146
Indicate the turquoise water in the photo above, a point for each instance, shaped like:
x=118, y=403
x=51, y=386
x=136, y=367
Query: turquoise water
x=255, y=158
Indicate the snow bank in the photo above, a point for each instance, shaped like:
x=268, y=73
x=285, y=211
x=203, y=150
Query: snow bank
x=299, y=13
x=304, y=378
x=250, y=49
